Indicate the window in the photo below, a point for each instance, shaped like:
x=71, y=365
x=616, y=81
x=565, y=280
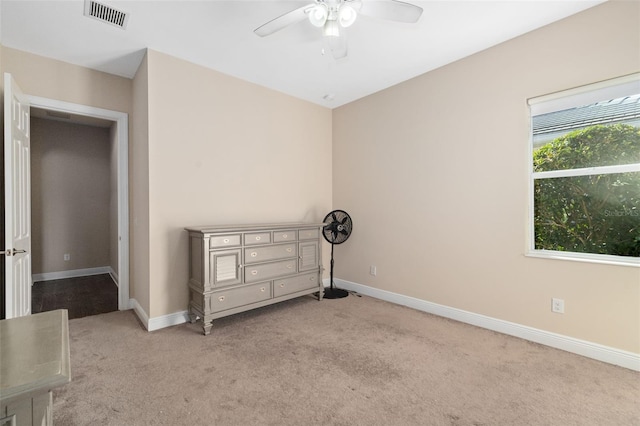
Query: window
x=585, y=173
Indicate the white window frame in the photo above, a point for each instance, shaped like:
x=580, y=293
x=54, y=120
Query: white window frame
x=579, y=96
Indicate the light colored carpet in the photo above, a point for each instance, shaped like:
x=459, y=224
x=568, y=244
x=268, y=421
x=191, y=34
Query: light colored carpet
x=353, y=361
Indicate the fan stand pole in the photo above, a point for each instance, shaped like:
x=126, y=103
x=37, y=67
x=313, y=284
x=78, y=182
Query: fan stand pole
x=333, y=292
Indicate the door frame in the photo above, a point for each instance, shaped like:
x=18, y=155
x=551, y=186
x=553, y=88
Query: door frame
x=121, y=121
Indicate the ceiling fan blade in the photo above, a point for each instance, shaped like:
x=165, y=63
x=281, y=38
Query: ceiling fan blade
x=392, y=10
x=292, y=17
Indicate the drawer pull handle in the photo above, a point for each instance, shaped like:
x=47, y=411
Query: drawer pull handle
x=289, y=250
x=254, y=272
x=311, y=278
x=226, y=241
x=258, y=238
x=221, y=298
x=262, y=289
x=284, y=235
x=254, y=254
x=289, y=266
x=282, y=285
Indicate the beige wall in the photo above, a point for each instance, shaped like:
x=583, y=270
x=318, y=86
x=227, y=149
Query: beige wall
x=205, y=148
x=434, y=173
x=70, y=196
x=222, y=150
x=49, y=78
x=139, y=190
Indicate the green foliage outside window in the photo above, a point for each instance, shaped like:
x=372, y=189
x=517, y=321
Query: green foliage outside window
x=594, y=213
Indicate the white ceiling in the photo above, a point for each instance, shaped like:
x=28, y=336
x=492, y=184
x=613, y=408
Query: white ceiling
x=219, y=35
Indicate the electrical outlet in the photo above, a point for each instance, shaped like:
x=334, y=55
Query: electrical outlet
x=372, y=270
x=557, y=305
x=67, y=257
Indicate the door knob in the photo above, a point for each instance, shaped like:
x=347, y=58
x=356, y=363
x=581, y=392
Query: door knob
x=11, y=252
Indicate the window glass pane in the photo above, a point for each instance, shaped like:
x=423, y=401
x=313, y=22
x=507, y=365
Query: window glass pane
x=601, y=134
x=588, y=214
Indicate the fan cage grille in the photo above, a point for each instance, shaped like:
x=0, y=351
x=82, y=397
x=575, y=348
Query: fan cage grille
x=338, y=227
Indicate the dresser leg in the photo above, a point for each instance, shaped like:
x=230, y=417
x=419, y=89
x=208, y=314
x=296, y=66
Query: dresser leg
x=206, y=326
x=192, y=318
x=320, y=294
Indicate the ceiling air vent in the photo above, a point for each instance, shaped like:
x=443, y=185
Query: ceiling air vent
x=105, y=13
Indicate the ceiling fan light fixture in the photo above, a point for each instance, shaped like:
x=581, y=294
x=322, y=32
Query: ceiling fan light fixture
x=318, y=15
x=346, y=15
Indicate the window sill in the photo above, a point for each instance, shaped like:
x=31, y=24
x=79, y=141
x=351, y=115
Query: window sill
x=585, y=257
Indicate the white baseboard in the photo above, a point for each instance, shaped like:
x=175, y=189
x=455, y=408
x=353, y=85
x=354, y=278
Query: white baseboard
x=592, y=350
x=140, y=312
x=152, y=324
x=114, y=276
x=48, y=276
x=168, y=320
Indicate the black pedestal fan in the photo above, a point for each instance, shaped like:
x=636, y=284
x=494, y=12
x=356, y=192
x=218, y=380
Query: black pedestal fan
x=337, y=229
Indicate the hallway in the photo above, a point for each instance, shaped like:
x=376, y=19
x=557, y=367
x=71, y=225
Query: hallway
x=81, y=296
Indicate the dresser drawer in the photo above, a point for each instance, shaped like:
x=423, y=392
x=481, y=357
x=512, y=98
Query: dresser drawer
x=240, y=296
x=259, y=238
x=267, y=271
x=219, y=241
x=263, y=254
x=282, y=236
x=295, y=284
x=308, y=234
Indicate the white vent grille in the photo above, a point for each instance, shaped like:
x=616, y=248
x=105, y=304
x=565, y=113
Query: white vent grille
x=105, y=13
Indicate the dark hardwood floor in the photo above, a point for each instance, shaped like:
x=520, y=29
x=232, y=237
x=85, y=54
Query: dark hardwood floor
x=81, y=296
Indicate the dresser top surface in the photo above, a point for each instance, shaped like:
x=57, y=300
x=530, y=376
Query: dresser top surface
x=34, y=353
x=211, y=229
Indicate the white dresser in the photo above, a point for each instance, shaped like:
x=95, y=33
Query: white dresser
x=235, y=268
x=34, y=360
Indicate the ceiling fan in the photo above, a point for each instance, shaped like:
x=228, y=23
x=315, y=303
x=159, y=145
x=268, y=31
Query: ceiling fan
x=334, y=15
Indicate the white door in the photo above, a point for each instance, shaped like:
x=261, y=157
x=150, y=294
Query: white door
x=17, y=206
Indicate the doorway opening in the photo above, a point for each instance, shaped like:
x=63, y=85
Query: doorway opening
x=116, y=125
x=73, y=213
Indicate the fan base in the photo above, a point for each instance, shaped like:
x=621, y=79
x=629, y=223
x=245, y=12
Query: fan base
x=335, y=293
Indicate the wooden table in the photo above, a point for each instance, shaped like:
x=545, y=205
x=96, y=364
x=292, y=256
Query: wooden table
x=34, y=359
